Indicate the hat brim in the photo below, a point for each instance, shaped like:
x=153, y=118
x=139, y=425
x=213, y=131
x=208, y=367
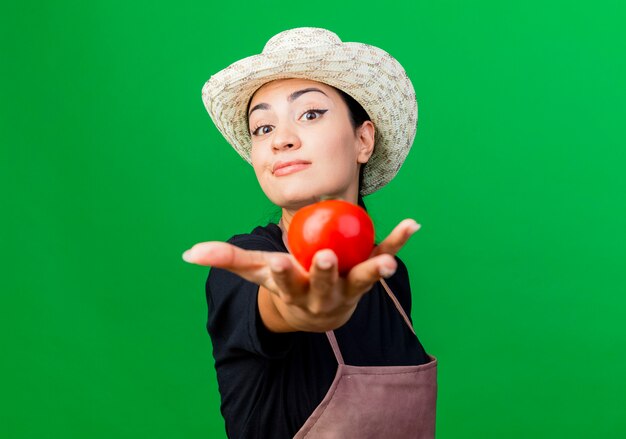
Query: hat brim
x=368, y=74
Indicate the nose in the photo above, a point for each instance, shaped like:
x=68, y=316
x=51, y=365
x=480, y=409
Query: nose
x=285, y=137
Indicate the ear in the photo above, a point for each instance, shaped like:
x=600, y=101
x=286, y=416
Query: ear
x=366, y=137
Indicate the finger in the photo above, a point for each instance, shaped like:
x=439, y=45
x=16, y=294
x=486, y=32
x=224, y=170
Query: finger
x=364, y=275
x=324, y=272
x=274, y=270
x=285, y=278
x=251, y=265
x=224, y=255
x=397, y=238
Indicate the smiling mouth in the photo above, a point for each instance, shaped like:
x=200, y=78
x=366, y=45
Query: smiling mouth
x=290, y=169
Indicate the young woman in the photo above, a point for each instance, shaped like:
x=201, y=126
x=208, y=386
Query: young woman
x=310, y=353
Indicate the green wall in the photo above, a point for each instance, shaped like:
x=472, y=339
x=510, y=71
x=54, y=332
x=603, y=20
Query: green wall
x=111, y=168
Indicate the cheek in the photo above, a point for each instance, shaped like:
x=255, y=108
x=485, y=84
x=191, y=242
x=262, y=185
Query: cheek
x=261, y=165
x=257, y=159
x=257, y=165
x=340, y=150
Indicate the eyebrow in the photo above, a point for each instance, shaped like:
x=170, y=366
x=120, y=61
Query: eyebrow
x=292, y=97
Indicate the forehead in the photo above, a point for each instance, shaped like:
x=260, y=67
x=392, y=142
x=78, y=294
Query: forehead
x=283, y=87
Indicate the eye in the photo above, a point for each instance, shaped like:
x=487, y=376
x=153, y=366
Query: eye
x=264, y=129
x=313, y=113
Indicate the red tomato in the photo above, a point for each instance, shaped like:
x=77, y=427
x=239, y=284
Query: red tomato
x=341, y=226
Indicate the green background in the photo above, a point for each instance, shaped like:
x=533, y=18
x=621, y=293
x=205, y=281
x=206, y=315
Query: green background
x=111, y=168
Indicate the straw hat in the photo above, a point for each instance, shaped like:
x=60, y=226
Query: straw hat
x=369, y=74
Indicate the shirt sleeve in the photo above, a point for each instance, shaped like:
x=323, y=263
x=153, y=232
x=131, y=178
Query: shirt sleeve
x=234, y=321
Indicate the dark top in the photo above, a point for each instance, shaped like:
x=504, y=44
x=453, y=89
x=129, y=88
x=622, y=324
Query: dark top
x=270, y=383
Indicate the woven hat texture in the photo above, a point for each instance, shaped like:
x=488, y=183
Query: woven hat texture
x=370, y=75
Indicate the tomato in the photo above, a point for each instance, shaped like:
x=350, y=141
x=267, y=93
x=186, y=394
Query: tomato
x=343, y=227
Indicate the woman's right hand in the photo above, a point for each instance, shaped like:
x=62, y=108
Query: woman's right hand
x=292, y=299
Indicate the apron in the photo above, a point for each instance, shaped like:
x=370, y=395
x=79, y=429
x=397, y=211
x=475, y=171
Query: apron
x=389, y=402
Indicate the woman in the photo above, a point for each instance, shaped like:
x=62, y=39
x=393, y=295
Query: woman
x=312, y=354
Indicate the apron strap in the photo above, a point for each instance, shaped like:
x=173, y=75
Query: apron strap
x=398, y=306
x=333, y=340
x=333, y=344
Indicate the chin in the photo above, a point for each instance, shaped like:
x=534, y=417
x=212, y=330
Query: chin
x=299, y=194
x=294, y=199
x=295, y=203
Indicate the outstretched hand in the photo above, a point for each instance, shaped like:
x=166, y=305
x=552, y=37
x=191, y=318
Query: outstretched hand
x=317, y=300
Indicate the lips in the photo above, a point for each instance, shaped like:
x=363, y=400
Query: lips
x=284, y=168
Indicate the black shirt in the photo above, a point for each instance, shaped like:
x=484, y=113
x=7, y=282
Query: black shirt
x=270, y=383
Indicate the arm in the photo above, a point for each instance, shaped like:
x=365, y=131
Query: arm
x=292, y=299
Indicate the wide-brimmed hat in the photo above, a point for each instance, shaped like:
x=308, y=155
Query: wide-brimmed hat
x=370, y=75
